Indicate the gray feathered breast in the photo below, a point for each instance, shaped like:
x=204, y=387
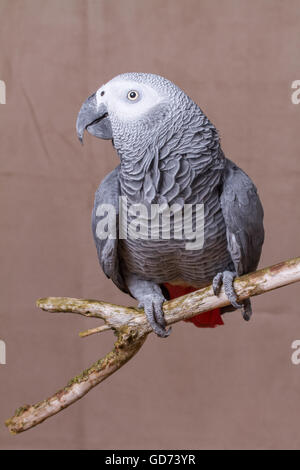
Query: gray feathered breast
x=185, y=165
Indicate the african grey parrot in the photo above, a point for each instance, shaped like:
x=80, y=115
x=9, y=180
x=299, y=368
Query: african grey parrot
x=170, y=153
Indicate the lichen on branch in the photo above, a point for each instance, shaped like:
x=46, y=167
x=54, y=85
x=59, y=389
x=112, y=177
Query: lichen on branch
x=131, y=328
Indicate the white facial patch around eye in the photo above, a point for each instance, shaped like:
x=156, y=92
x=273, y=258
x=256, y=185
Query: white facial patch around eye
x=100, y=95
x=117, y=101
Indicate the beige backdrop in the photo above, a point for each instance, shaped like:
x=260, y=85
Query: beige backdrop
x=232, y=387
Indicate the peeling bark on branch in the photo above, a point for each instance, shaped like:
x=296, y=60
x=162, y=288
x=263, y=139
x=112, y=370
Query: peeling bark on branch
x=131, y=327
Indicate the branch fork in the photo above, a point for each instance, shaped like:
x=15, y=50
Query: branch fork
x=131, y=328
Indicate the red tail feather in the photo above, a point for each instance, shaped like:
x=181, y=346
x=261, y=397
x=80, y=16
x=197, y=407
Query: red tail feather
x=203, y=320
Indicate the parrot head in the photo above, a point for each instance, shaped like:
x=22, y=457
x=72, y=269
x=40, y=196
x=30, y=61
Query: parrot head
x=132, y=108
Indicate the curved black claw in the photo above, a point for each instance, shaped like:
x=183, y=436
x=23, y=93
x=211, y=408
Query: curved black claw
x=226, y=279
x=152, y=305
x=247, y=310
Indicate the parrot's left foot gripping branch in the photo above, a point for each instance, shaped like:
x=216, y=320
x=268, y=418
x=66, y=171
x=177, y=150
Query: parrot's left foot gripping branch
x=131, y=328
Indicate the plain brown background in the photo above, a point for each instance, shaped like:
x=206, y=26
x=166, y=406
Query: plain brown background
x=233, y=387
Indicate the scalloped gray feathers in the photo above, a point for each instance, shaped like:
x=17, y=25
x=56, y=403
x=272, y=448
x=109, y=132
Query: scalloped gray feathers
x=173, y=155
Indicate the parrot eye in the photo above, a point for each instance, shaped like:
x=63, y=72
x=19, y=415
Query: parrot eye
x=132, y=95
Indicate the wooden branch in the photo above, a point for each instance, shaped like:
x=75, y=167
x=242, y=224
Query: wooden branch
x=92, y=331
x=131, y=327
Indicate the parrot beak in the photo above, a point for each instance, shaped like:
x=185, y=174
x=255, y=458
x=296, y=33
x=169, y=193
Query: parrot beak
x=93, y=118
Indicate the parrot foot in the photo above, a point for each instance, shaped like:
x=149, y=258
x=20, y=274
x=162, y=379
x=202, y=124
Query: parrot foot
x=226, y=279
x=152, y=305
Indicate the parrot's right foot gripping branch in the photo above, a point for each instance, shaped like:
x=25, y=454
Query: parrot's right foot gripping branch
x=227, y=279
x=132, y=328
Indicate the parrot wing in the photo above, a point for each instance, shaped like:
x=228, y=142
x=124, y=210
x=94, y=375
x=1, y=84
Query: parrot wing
x=107, y=196
x=243, y=215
